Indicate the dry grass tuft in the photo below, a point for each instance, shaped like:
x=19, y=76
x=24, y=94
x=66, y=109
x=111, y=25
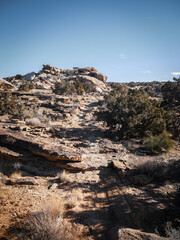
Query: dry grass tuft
x=73, y=199
x=15, y=175
x=64, y=176
x=70, y=202
x=33, y=121
x=49, y=224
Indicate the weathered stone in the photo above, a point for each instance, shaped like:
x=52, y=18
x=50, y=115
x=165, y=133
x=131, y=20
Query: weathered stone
x=6, y=153
x=87, y=69
x=53, y=186
x=48, y=69
x=50, y=151
x=5, y=84
x=29, y=76
x=99, y=76
x=99, y=84
x=22, y=181
x=119, y=233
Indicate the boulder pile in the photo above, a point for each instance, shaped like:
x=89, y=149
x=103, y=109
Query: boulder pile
x=49, y=76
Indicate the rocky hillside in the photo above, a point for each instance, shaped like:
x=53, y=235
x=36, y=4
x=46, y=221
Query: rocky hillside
x=48, y=76
x=55, y=154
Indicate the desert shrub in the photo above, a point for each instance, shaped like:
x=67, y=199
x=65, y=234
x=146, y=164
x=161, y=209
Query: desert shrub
x=130, y=112
x=171, y=92
x=10, y=104
x=79, y=87
x=35, y=99
x=30, y=113
x=89, y=86
x=74, y=87
x=48, y=225
x=26, y=86
x=150, y=91
x=158, y=143
x=64, y=88
x=172, y=118
x=171, y=102
x=7, y=103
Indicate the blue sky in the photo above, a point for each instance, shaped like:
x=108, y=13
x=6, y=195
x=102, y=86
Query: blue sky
x=129, y=40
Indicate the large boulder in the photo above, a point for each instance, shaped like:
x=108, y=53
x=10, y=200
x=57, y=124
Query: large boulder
x=99, y=76
x=100, y=86
x=86, y=69
x=5, y=84
x=29, y=76
x=48, y=69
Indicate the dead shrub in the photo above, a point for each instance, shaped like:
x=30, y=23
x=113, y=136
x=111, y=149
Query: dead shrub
x=70, y=203
x=172, y=233
x=64, y=176
x=33, y=121
x=49, y=224
x=73, y=199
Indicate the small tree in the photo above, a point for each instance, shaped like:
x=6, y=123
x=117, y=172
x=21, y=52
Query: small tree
x=130, y=112
x=10, y=104
x=171, y=102
x=171, y=92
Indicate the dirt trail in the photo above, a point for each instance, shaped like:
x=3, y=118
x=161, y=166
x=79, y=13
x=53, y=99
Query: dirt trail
x=109, y=197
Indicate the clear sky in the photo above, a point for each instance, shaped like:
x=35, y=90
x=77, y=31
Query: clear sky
x=129, y=40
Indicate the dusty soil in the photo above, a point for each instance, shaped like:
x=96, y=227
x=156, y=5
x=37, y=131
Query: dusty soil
x=115, y=190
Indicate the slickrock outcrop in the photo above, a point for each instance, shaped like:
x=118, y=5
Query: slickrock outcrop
x=50, y=150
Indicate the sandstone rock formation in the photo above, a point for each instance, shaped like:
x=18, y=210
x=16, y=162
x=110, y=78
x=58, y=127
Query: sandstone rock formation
x=48, y=76
x=5, y=84
x=51, y=151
